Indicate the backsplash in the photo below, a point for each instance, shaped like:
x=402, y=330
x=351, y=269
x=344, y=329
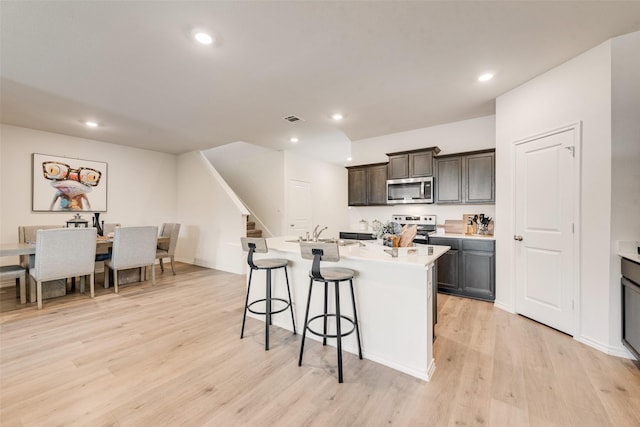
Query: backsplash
x=443, y=212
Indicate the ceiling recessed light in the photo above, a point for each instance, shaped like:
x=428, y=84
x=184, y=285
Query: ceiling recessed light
x=294, y=140
x=349, y=159
x=202, y=37
x=91, y=124
x=485, y=77
x=337, y=116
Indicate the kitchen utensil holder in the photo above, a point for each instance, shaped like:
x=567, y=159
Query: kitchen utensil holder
x=482, y=229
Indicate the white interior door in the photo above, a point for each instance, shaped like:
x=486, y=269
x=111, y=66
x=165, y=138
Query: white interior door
x=299, y=209
x=544, y=228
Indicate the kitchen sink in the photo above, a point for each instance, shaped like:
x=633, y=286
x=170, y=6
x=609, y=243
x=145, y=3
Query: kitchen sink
x=339, y=241
x=319, y=240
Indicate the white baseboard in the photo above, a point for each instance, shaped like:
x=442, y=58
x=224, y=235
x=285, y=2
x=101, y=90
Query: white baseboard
x=504, y=307
x=620, y=351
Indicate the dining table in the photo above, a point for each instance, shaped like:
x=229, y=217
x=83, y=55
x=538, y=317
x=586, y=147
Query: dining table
x=15, y=249
x=29, y=248
x=103, y=243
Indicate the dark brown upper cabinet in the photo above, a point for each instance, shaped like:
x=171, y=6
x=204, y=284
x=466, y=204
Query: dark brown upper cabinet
x=411, y=164
x=465, y=178
x=367, y=185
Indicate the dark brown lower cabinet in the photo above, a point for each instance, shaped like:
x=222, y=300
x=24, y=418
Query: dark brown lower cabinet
x=468, y=269
x=631, y=306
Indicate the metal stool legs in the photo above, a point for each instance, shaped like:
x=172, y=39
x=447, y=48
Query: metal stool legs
x=306, y=322
x=268, y=312
x=355, y=318
x=246, y=304
x=339, y=334
x=293, y=321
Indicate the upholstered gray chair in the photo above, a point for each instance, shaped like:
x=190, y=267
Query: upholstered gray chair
x=109, y=227
x=167, y=249
x=103, y=254
x=133, y=247
x=18, y=273
x=27, y=234
x=62, y=253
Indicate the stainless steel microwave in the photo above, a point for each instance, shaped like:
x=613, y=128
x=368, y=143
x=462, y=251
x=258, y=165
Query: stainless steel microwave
x=410, y=190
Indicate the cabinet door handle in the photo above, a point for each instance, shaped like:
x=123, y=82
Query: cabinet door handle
x=517, y=237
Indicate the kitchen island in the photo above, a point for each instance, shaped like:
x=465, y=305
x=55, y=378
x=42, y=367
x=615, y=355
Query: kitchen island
x=394, y=299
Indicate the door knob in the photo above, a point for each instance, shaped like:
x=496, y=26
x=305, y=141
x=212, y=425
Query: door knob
x=518, y=238
x=291, y=225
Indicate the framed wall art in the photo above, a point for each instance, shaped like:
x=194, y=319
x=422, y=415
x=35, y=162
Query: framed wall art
x=64, y=184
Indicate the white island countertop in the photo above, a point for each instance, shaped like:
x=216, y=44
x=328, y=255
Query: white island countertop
x=369, y=251
x=395, y=299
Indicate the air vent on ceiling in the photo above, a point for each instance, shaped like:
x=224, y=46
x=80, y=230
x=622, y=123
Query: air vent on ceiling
x=293, y=119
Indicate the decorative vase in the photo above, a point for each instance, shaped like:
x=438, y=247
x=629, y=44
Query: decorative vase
x=97, y=225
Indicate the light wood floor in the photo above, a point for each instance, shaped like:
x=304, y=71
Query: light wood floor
x=171, y=356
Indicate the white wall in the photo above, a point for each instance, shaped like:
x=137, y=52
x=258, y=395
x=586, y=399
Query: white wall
x=256, y=175
x=212, y=218
x=260, y=178
x=467, y=135
x=625, y=160
x=141, y=183
x=328, y=190
x=578, y=90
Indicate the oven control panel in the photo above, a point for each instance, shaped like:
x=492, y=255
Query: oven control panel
x=414, y=219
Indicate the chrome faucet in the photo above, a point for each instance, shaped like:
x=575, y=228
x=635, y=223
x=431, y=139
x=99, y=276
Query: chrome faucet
x=316, y=233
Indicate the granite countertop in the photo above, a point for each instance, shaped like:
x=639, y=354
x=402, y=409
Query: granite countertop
x=629, y=250
x=368, y=251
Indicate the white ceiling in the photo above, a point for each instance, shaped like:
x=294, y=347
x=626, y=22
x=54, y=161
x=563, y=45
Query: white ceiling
x=388, y=66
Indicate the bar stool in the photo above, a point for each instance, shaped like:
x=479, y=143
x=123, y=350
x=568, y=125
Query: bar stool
x=328, y=252
x=259, y=245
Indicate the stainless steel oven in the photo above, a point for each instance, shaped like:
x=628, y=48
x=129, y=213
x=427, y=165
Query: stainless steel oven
x=425, y=224
x=410, y=190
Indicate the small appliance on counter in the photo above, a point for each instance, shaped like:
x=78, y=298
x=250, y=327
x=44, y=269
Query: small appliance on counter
x=77, y=221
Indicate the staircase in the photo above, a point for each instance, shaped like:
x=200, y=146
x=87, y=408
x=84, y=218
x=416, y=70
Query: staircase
x=251, y=229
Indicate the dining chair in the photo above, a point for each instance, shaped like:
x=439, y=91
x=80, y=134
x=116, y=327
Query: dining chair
x=103, y=254
x=167, y=249
x=16, y=272
x=109, y=227
x=133, y=247
x=27, y=234
x=63, y=253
